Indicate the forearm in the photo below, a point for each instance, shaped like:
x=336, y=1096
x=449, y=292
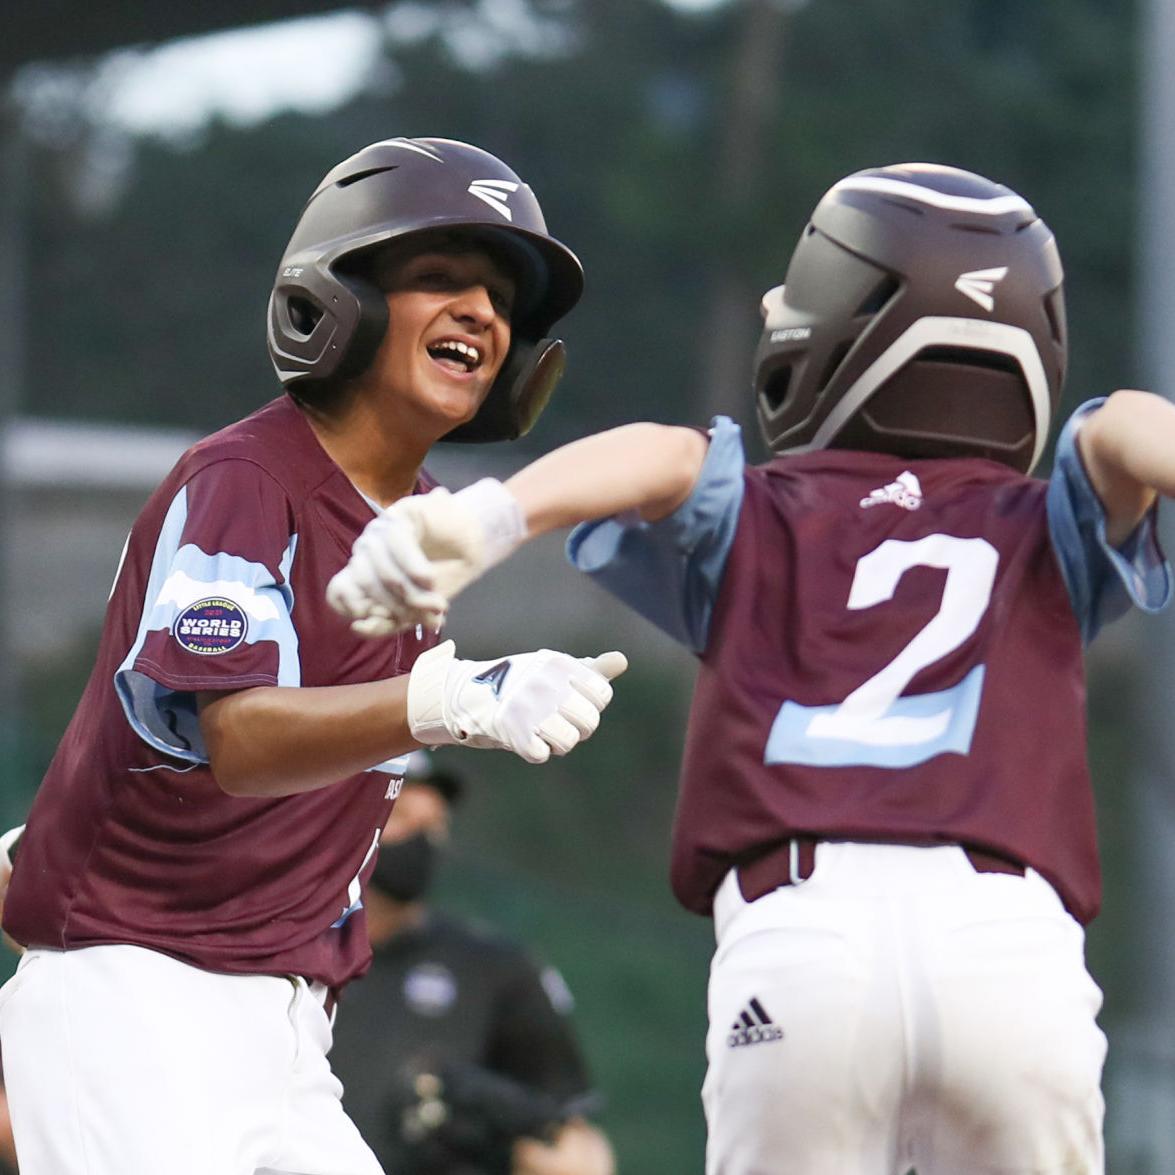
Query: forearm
x=1128, y=448
x=280, y=740
x=650, y=468
x=579, y=1149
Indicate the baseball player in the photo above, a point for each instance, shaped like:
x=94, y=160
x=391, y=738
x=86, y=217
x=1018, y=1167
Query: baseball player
x=885, y=804
x=188, y=884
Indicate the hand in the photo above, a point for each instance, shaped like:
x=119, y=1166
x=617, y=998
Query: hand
x=412, y=559
x=579, y=1148
x=387, y=584
x=534, y=704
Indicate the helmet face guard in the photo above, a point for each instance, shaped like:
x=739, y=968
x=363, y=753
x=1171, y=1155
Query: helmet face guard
x=327, y=320
x=922, y=314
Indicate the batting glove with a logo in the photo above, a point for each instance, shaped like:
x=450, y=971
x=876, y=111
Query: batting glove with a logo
x=411, y=560
x=535, y=704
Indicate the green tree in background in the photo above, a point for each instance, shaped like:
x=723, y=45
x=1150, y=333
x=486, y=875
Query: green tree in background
x=619, y=124
x=149, y=306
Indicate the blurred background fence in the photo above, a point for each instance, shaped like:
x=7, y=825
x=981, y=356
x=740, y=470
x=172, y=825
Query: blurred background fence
x=154, y=160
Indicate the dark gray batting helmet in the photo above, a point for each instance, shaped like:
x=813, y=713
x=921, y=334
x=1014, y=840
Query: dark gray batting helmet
x=327, y=318
x=922, y=314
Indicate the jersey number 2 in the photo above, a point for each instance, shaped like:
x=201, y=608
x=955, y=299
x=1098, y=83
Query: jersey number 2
x=875, y=725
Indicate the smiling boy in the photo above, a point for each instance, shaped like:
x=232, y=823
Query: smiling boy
x=188, y=885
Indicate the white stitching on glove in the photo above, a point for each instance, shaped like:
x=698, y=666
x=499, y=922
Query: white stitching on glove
x=411, y=560
x=534, y=704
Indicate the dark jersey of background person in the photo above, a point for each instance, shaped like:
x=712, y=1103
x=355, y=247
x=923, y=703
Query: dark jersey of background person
x=890, y=649
x=447, y=994
x=221, y=587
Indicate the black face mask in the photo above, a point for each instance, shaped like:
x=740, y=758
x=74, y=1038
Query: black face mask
x=404, y=868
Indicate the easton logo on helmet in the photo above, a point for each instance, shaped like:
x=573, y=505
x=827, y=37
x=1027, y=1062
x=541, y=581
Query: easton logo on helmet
x=979, y=284
x=495, y=193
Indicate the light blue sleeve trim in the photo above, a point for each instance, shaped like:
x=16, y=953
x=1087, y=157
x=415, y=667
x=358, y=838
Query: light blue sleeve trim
x=670, y=571
x=167, y=719
x=1103, y=581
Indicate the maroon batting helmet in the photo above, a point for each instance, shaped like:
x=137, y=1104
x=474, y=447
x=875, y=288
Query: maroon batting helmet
x=922, y=314
x=327, y=318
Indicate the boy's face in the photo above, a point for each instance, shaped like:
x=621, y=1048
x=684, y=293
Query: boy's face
x=449, y=307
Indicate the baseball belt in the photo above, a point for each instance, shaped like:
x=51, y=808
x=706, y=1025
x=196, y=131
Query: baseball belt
x=792, y=861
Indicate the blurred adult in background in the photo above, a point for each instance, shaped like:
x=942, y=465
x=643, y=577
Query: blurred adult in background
x=456, y=1050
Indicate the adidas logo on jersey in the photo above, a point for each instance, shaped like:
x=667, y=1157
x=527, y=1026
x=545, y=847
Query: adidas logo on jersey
x=905, y=492
x=753, y=1026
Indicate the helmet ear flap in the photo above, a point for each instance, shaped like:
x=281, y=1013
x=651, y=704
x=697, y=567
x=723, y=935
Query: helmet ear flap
x=367, y=327
x=519, y=395
x=326, y=326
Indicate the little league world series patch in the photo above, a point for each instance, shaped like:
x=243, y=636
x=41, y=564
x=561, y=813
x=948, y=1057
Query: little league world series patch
x=210, y=627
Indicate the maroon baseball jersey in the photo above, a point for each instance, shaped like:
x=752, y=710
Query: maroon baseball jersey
x=890, y=650
x=875, y=671
x=221, y=587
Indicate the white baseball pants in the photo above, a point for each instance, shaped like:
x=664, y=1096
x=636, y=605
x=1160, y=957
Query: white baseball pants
x=896, y=1010
x=124, y=1061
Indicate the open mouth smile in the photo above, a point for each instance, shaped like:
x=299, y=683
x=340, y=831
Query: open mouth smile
x=455, y=356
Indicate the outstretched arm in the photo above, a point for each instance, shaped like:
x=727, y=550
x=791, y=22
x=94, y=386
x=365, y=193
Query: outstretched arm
x=414, y=558
x=1128, y=448
x=649, y=468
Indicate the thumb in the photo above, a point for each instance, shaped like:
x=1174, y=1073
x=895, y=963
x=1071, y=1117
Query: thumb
x=610, y=665
x=535, y=750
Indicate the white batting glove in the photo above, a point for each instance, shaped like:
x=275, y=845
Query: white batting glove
x=534, y=704
x=411, y=560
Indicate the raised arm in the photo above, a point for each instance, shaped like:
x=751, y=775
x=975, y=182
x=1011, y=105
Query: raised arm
x=1128, y=449
x=414, y=558
x=650, y=468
